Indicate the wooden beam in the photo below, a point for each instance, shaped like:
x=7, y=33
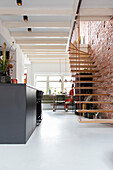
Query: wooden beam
x=46, y=25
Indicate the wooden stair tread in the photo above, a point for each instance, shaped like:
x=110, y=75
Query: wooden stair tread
x=92, y=94
x=92, y=102
x=90, y=81
x=85, y=71
x=80, y=62
x=82, y=66
x=79, y=54
x=79, y=111
x=73, y=52
x=81, y=58
x=76, y=51
x=85, y=76
x=96, y=121
x=90, y=87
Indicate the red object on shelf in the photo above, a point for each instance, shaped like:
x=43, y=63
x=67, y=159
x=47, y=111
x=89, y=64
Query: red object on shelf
x=14, y=81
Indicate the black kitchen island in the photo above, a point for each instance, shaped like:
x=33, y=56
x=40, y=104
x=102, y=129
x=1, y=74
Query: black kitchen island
x=17, y=113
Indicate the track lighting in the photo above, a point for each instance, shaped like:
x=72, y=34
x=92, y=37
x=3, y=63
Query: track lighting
x=25, y=17
x=29, y=29
x=19, y=2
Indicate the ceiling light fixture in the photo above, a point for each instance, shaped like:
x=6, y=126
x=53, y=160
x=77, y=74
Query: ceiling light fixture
x=29, y=29
x=19, y=2
x=25, y=17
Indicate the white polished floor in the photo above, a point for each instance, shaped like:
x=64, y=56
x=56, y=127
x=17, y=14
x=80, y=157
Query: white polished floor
x=61, y=143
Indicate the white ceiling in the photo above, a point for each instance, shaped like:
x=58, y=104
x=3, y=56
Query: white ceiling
x=97, y=4
x=38, y=4
x=51, y=22
x=96, y=10
x=37, y=18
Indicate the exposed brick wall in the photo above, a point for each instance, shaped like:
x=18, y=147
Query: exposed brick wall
x=100, y=37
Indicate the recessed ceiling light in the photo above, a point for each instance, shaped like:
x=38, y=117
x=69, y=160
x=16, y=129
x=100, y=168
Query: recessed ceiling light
x=29, y=29
x=19, y=2
x=25, y=17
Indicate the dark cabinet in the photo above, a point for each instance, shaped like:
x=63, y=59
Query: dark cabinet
x=17, y=113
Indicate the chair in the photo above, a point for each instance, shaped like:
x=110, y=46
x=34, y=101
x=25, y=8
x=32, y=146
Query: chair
x=60, y=100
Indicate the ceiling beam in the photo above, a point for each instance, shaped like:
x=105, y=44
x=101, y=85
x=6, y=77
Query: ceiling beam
x=36, y=24
x=49, y=60
x=39, y=34
x=36, y=11
x=46, y=56
x=42, y=41
x=44, y=50
x=58, y=47
x=48, y=52
x=96, y=12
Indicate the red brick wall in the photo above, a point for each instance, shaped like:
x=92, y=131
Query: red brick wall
x=100, y=37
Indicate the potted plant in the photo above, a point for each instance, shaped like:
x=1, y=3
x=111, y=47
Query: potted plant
x=5, y=65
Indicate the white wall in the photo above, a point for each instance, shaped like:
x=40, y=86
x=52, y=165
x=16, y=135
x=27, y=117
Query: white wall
x=28, y=66
x=5, y=37
x=49, y=68
x=5, y=33
x=19, y=65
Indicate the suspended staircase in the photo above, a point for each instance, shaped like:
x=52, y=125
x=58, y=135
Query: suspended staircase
x=83, y=66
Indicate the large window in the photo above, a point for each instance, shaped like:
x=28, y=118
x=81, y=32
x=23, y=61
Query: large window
x=41, y=83
x=55, y=84
x=67, y=83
